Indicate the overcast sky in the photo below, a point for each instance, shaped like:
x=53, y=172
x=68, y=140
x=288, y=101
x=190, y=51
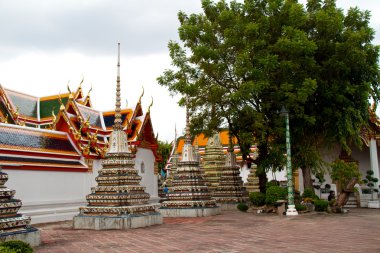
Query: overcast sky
x=44, y=44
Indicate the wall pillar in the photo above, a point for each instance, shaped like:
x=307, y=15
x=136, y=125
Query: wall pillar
x=374, y=158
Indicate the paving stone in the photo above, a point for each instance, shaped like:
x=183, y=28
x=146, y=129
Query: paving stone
x=229, y=232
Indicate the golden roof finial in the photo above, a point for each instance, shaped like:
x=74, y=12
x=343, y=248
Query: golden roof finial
x=142, y=94
x=88, y=93
x=87, y=123
x=70, y=93
x=62, y=107
x=80, y=84
x=151, y=104
x=16, y=113
x=53, y=115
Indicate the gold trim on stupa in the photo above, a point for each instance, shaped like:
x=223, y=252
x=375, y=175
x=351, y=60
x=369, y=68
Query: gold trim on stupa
x=188, y=188
x=118, y=191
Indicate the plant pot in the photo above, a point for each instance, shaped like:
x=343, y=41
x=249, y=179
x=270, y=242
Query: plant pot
x=373, y=204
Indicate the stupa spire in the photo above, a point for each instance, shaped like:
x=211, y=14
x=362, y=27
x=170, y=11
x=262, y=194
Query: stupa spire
x=175, y=139
x=118, y=139
x=188, y=138
x=117, y=123
x=231, y=158
x=188, y=154
x=118, y=201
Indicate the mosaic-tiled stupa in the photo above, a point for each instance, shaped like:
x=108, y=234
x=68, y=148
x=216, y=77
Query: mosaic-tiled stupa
x=213, y=161
x=174, y=161
x=118, y=201
x=14, y=226
x=252, y=184
x=230, y=190
x=189, y=196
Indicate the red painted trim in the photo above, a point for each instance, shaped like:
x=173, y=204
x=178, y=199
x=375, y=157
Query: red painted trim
x=37, y=168
x=38, y=154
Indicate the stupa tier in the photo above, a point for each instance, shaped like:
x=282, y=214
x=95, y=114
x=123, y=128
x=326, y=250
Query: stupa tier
x=213, y=161
x=118, y=191
x=252, y=184
x=118, y=201
x=189, y=196
x=174, y=163
x=14, y=226
x=230, y=190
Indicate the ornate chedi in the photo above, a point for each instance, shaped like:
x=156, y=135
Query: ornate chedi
x=118, y=202
x=252, y=184
x=189, y=196
x=174, y=162
x=213, y=161
x=14, y=226
x=230, y=190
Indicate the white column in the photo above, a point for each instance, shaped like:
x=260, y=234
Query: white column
x=374, y=158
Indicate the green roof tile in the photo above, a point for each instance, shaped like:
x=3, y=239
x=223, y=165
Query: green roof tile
x=47, y=106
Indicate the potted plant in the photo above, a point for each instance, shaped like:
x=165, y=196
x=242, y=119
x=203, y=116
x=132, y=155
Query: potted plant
x=370, y=181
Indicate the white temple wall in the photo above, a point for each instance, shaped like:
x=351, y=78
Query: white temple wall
x=50, y=196
x=144, y=163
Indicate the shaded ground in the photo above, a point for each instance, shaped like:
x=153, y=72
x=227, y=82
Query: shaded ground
x=235, y=231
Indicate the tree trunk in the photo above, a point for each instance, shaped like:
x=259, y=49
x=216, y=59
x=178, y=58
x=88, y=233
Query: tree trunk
x=307, y=180
x=343, y=196
x=262, y=181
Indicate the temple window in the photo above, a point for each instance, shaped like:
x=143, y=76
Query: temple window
x=142, y=168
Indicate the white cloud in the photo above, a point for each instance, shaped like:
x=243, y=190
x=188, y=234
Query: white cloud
x=46, y=43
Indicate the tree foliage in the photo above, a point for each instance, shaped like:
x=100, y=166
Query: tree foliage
x=164, y=149
x=238, y=63
x=343, y=172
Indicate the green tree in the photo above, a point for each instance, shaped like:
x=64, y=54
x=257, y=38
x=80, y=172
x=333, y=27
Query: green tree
x=238, y=63
x=164, y=149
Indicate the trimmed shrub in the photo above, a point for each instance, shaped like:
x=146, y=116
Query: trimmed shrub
x=309, y=193
x=300, y=207
x=257, y=198
x=242, y=207
x=271, y=183
x=275, y=193
x=17, y=246
x=321, y=205
x=7, y=250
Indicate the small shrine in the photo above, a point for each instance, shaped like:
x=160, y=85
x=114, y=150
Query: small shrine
x=213, y=161
x=230, y=190
x=14, y=226
x=189, y=195
x=118, y=201
x=252, y=184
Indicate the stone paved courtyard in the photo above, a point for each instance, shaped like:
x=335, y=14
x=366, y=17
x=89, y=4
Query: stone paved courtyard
x=233, y=231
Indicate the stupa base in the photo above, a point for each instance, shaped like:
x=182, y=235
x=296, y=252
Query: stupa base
x=229, y=206
x=190, y=212
x=123, y=222
x=28, y=235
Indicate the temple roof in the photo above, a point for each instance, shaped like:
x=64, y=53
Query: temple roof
x=24, y=147
x=202, y=141
x=72, y=113
x=26, y=104
x=28, y=139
